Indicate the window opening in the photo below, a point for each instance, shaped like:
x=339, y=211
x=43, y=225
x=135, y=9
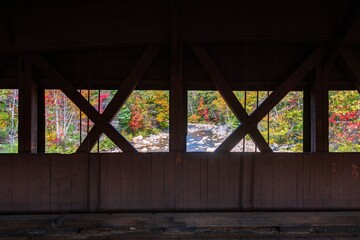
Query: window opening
x=344, y=121
x=9, y=101
x=210, y=121
x=143, y=120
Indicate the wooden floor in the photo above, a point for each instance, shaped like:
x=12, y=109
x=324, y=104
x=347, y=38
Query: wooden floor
x=215, y=225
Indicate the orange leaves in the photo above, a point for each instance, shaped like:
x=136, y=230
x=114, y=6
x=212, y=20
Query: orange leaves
x=136, y=121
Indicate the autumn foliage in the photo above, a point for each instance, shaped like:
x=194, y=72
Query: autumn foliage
x=147, y=112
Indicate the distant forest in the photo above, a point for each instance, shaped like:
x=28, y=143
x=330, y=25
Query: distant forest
x=147, y=112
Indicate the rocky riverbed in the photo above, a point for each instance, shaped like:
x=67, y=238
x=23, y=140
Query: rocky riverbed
x=200, y=138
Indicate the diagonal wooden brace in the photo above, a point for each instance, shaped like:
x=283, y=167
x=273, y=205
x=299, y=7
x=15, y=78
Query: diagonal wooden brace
x=121, y=96
x=351, y=66
x=43, y=65
x=270, y=102
x=228, y=95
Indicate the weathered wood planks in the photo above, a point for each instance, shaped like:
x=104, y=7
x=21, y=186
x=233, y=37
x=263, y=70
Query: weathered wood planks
x=53, y=183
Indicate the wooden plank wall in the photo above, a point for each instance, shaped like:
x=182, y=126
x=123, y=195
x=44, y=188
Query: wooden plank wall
x=51, y=183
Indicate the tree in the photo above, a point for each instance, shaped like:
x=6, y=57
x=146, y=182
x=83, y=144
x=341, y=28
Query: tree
x=344, y=121
x=9, y=120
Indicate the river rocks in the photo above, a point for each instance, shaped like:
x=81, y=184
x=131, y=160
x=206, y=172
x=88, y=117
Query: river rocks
x=153, y=148
x=137, y=139
x=222, y=131
x=210, y=149
x=201, y=138
x=192, y=128
x=152, y=143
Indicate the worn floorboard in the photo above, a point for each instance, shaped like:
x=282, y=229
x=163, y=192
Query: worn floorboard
x=219, y=225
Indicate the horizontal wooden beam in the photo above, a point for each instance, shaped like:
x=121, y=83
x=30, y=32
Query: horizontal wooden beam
x=193, y=85
x=228, y=95
x=270, y=102
x=121, y=95
x=43, y=65
x=205, y=225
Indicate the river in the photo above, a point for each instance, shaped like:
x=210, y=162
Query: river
x=200, y=138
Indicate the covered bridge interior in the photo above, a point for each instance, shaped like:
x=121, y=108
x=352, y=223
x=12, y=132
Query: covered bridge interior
x=276, y=46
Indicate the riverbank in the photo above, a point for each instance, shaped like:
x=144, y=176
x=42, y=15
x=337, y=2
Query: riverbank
x=200, y=138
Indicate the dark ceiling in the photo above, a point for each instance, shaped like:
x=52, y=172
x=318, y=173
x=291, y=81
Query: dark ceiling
x=56, y=25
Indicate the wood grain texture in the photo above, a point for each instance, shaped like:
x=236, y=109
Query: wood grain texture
x=188, y=225
x=213, y=186
x=146, y=181
x=179, y=196
x=39, y=188
x=6, y=187
x=264, y=181
x=53, y=183
x=169, y=178
x=236, y=181
x=158, y=181
x=195, y=180
x=224, y=180
x=126, y=181
x=93, y=182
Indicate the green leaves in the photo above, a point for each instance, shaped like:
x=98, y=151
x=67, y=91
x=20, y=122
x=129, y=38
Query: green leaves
x=344, y=121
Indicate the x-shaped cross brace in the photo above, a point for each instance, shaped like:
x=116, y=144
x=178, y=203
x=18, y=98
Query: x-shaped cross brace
x=121, y=96
x=271, y=101
x=102, y=121
x=228, y=95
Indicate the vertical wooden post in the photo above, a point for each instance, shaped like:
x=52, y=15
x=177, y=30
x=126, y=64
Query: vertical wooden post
x=307, y=120
x=319, y=111
x=177, y=93
x=41, y=120
x=27, y=133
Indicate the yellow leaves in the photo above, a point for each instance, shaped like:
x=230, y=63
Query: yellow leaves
x=219, y=102
x=194, y=118
x=162, y=117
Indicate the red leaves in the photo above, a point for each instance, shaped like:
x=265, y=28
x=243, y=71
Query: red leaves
x=102, y=98
x=136, y=121
x=332, y=120
x=345, y=126
x=347, y=117
x=202, y=110
x=206, y=114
